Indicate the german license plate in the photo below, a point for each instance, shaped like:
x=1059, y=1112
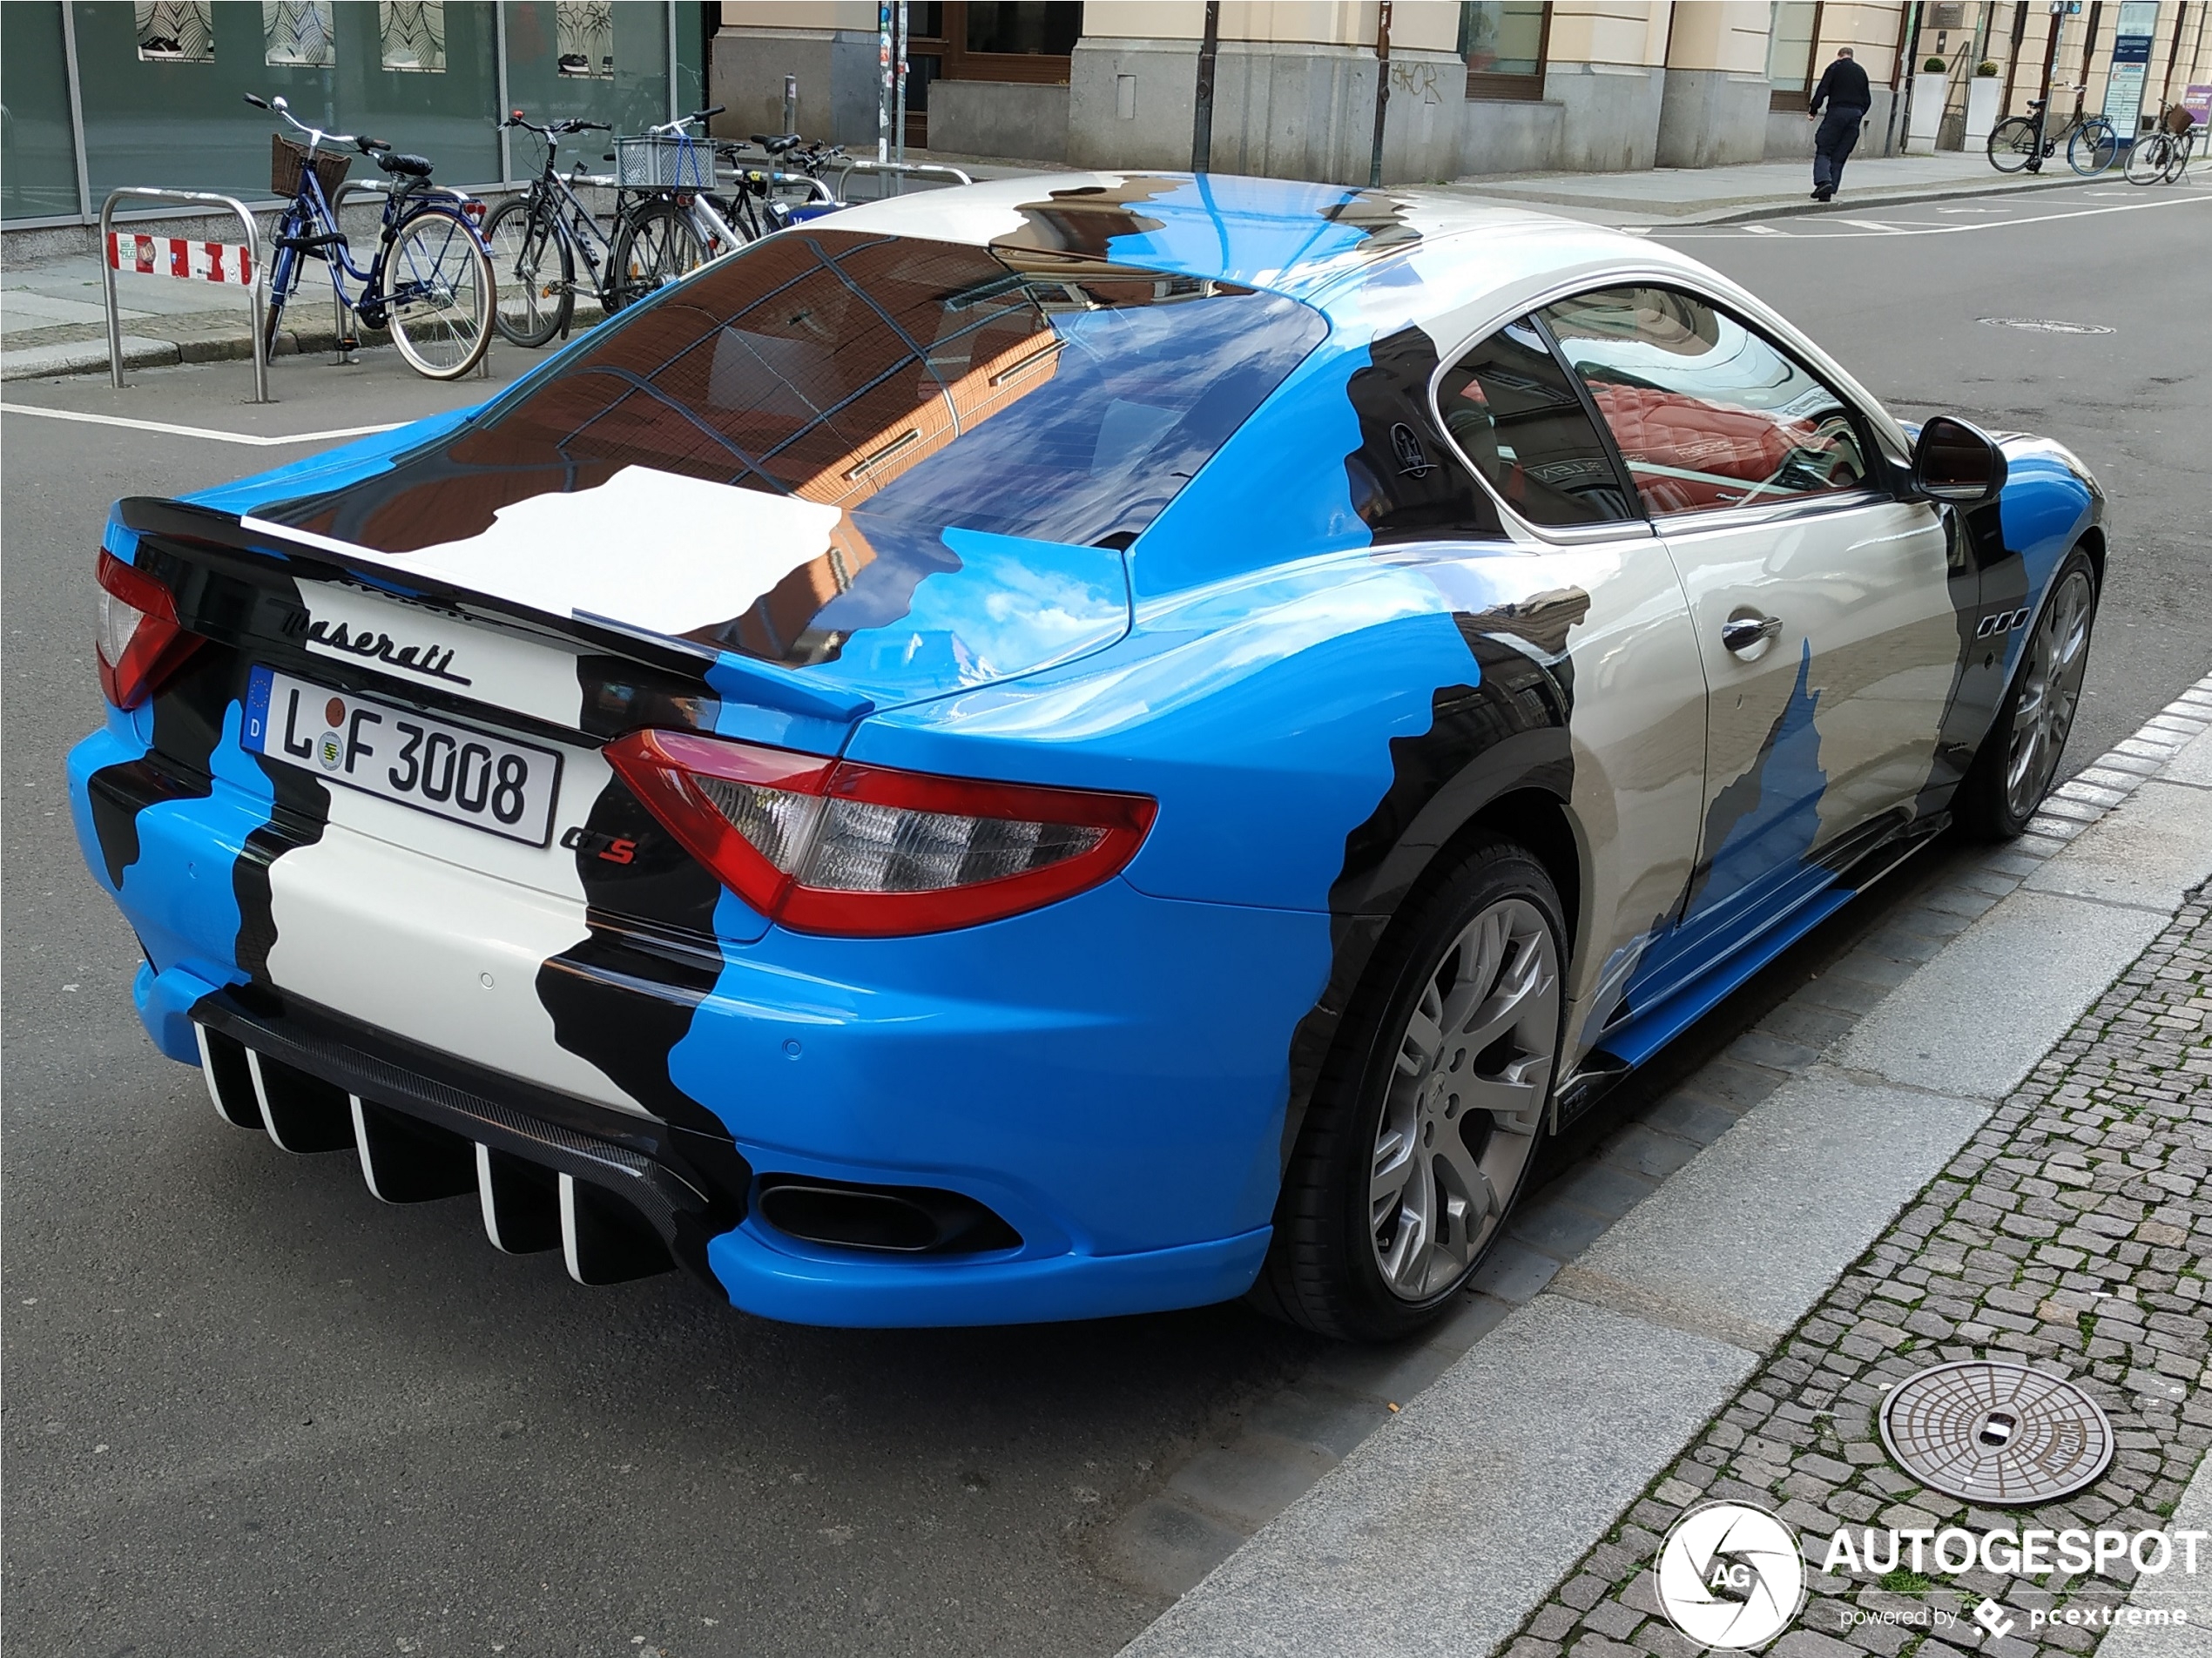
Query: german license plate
x=451, y=772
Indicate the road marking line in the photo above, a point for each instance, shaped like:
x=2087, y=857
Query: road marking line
x=199, y=431
x=1763, y=230
x=1947, y=230
x=1873, y=223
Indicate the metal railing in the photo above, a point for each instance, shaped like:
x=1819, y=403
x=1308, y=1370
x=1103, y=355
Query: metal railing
x=900, y=170
x=256, y=289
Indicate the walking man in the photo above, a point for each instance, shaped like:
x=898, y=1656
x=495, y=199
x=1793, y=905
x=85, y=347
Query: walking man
x=1842, y=88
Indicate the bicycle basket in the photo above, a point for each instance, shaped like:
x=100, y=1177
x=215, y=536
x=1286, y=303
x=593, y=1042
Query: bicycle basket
x=2177, y=119
x=662, y=163
x=285, y=159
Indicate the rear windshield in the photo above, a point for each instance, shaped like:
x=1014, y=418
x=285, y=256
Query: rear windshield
x=931, y=383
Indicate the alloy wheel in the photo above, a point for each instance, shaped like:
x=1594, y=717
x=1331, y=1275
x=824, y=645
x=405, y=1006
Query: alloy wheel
x=1468, y=1091
x=2057, y=655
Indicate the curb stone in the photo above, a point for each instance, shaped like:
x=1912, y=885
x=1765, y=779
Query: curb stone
x=1297, y=1584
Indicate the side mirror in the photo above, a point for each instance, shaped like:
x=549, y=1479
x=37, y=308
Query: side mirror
x=277, y=102
x=1956, y=462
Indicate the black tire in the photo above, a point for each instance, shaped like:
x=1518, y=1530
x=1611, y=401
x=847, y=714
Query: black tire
x=657, y=244
x=534, y=273
x=438, y=294
x=1341, y=1262
x=2093, y=147
x=2147, y=158
x=2012, y=143
x=2017, y=764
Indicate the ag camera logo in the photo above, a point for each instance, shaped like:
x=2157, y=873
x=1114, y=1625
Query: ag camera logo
x=1730, y=1576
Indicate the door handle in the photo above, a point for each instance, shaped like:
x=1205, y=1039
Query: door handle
x=1747, y=633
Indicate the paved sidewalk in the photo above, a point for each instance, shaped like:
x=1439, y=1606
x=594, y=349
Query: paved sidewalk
x=2069, y=1235
x=1760, y=189
x=1566, y=1391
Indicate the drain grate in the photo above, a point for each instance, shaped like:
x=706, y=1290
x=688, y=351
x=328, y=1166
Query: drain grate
x=1996, y=1433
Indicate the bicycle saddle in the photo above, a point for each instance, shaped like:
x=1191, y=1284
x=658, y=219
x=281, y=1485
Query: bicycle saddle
x=776, y=143
x=414, y=166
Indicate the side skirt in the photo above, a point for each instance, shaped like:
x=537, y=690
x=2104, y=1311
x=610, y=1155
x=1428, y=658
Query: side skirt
x=1627, y=1047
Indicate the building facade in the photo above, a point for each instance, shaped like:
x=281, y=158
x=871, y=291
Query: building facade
x=98, y=96
x=1487, y=87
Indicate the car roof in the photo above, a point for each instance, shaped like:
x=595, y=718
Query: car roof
x=1307, y=240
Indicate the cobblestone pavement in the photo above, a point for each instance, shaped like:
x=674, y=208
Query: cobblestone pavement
x=2071, y=1233
x=1198, y=1511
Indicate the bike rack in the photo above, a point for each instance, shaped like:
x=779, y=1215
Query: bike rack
x=903, y=169
x=256, y=289
x=343, y=313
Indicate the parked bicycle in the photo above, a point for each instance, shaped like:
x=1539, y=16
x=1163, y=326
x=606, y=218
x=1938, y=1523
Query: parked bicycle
x=2091, y=141
x=430, y=281
x=674, y=210
x=2162, y=155
x=539, y=238
x=670, y=222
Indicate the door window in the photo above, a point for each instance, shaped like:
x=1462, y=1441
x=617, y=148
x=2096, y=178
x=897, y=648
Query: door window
x=1706, y=413
x=1517, y=416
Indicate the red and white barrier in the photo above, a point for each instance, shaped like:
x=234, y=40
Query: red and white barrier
x=174, y=256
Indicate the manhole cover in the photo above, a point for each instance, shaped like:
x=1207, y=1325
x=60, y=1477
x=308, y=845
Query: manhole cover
x=2039, y=325
x=1996, y=1433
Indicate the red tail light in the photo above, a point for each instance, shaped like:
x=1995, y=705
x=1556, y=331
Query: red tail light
x=829, y=846
x=139, y=641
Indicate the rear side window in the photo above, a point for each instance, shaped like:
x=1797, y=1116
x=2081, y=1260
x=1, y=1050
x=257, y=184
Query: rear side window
x=1517, y=416
x=929, y=383
x=1707, y=412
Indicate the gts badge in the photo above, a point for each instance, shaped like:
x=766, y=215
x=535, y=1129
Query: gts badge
x=609, y=849
x=2003, y=622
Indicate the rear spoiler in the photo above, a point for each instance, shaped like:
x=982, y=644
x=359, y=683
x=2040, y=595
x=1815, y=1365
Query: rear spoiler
x=224, y=539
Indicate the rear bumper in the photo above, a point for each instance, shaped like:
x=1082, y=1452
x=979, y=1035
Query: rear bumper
x=1108, y=1076
x=314, y=1082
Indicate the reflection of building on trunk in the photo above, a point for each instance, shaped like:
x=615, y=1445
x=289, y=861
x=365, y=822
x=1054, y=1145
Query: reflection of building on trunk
x=781, y=625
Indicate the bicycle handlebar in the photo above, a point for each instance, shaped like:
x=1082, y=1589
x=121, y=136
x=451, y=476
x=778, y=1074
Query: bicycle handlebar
x=670, y=128
x=315, y=135
x=552, y=129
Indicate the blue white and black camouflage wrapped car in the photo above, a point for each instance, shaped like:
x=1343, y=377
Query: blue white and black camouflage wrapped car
x=1070, y=747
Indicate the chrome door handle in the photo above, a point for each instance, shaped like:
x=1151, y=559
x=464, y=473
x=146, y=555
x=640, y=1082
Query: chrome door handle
x=1747, y=633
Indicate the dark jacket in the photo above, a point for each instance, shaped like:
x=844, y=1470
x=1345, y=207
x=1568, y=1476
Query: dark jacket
x=1844, y=87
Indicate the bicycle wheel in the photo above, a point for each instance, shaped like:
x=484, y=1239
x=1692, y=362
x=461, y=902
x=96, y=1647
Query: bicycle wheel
x=533, y=268
x=437, y=293
x=657, y=244
x=2012, y=143
x=2147, y=158
x=2093, y=148
x=2178, y=162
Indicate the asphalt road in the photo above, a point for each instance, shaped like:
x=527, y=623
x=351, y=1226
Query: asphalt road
x=252, y=1410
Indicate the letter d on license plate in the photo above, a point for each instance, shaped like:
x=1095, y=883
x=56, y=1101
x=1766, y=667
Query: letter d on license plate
x=451, y=772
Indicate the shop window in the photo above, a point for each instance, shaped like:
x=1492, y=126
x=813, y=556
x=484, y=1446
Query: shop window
x=1793, y=26
x=584, y=32
x=298, y=34
x=413, y=33
x=175, y=31
x=1503, y=42
x=993, y=40
x=1031, y=40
